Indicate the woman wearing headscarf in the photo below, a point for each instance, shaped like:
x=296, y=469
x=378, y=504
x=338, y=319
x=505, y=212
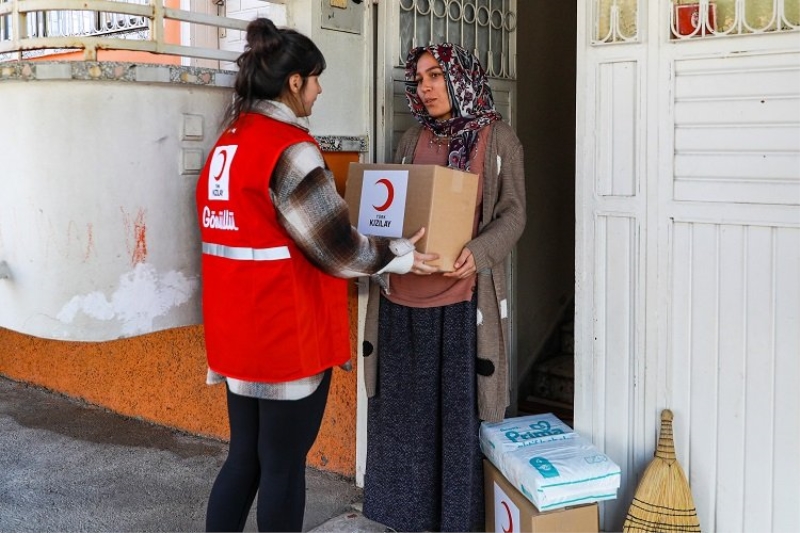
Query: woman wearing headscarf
x=435, y=348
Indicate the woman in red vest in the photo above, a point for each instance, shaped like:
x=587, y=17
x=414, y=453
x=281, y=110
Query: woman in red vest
x=277, y=244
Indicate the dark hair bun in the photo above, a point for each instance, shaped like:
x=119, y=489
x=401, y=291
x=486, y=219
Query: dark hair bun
x=263, y=37
x=271, y=56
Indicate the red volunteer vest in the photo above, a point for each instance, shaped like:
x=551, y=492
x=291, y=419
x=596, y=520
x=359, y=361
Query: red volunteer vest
x=269, y=314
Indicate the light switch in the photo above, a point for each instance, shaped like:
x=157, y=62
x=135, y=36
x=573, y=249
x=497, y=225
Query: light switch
x=192, y=127
x=191, y=161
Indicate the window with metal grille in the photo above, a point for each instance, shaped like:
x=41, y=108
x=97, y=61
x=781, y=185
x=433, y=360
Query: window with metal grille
x=618, y=21
x=486, y=27
x=720, y=18
x=615, y=21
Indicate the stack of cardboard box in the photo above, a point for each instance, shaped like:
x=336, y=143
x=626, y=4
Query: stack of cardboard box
x=508, y=510
x=540, y=475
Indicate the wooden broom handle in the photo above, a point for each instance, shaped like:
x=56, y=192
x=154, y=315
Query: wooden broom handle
x=666, y=445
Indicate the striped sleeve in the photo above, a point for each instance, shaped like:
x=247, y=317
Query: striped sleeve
x=317, y=219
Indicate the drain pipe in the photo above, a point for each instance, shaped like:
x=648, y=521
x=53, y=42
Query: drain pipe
x=5, y=271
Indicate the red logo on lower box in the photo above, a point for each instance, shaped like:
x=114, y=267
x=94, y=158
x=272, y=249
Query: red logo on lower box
x=506, y=514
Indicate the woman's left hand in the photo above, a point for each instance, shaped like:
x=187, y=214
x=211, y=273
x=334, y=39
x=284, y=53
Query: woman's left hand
x=464, y=266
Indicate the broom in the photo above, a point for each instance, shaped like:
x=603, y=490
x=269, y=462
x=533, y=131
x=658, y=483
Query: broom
x=663, y=500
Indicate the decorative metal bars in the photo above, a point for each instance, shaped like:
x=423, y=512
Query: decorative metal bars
x=487, y=27
x=616, y=21
x=619, y=21
x=82, y=23
x=119, y=23
x=704, y=18
x=31, y=28
x=68, y=23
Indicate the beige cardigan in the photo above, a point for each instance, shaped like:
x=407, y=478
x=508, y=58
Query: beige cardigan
x=502, y=222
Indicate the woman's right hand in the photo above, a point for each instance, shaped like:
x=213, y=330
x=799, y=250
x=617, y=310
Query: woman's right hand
x=420, y=267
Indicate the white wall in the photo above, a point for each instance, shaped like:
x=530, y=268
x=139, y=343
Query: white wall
x=343, y=107
x=98, y=228
x=97, y=216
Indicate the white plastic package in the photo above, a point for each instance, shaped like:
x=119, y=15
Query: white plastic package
x=556, y=474
x=499, y=438
x=548, y=462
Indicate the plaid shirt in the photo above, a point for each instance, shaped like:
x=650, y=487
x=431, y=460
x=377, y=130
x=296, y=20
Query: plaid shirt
x=304, y=194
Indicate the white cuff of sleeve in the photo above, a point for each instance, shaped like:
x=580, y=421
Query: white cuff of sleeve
x=401, y=247
x=399, y=265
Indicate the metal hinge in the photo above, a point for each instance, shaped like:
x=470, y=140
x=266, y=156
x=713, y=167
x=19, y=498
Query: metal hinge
x=221, y=32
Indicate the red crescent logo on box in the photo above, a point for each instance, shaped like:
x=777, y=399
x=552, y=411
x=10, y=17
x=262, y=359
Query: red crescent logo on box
x=389, y=194
x=510, y=519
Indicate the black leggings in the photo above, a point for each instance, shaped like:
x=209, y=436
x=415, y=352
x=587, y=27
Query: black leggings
x=267, y=455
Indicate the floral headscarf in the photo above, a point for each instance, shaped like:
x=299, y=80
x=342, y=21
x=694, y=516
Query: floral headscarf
x=470, y=97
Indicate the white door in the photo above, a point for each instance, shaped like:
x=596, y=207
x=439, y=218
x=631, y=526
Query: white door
x=688, y=251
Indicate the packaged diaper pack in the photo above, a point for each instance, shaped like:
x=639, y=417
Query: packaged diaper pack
x=548, y=462
x=499, y=438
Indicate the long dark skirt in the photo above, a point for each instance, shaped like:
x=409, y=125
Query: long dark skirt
x=424, y=470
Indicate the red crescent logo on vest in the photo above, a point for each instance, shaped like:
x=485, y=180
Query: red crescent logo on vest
x=219, y=168
x=510, y=519
x=389, y=195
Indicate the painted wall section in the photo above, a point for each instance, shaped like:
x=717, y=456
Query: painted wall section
x=100, y=236
x=160, y=377
x=339, y=163
x=114, y=55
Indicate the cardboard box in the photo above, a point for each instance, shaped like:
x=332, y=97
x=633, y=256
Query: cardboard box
x=396, y=200
x=508, y=510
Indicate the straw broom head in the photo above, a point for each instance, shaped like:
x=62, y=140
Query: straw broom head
x=663, y=500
